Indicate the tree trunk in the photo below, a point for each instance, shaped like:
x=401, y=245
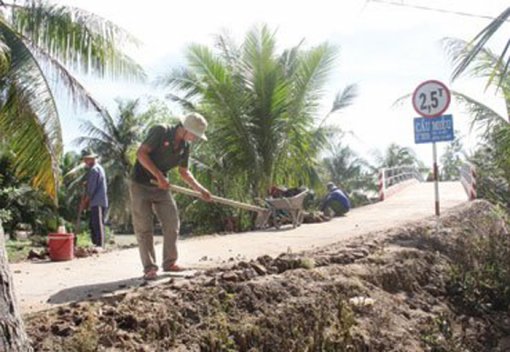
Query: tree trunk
x=13, y=337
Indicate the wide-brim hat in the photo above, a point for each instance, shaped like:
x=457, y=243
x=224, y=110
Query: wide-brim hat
x=87, y=154
x=195, y=124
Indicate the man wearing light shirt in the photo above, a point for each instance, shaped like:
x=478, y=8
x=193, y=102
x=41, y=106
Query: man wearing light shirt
x=96, y=199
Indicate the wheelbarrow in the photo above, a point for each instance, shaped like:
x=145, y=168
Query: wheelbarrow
x=287, y=207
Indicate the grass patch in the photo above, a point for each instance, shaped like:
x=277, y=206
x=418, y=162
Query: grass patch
x=18, y=250
x=83, y=239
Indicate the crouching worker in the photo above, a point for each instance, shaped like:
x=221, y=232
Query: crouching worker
x=336, y=202
x=164, y=148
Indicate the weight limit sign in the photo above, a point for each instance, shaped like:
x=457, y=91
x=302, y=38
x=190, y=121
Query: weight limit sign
x=431, y=98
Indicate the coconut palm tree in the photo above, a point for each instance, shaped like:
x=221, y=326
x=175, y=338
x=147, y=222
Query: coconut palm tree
x=41, y=43
x=492, y=157
x=262, y=106
x=487, y=65
x=344, y=168
x=395, y=155
x=494, y=125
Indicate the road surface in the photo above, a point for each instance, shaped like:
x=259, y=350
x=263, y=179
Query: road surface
x=42, y=285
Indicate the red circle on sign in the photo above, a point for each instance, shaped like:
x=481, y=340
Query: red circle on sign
x=424, y=108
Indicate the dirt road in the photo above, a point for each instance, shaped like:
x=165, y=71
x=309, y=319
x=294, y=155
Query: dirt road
x=43, y=285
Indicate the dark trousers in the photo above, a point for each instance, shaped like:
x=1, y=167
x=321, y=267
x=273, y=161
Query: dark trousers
x=97, y=220
x=335, y=206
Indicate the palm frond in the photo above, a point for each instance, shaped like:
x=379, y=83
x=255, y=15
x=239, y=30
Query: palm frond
x=229, y=50
x=188, y=105
x=402, y=100
x=313, y=69
x=503, y=75
x=98, y=134
x=5, y=56
x=210, y=69
x=479, y=42
x=289, y=59
x=482, y=115
x=76, y=37
x=76, y=92
x=35, y=155
x=184, y=80
x=29, y=113
x=484, y=64
x=343, y=99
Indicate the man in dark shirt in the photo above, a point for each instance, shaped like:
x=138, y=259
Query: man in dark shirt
x=164, y=148
x=95, y=198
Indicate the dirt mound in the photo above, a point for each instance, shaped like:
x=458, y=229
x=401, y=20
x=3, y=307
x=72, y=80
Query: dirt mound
x=390, y=291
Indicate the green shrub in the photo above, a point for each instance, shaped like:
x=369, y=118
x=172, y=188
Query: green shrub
x=480, y=272
x=23, y=204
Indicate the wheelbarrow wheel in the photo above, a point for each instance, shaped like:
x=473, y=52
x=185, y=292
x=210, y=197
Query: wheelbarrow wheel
x=277, y=222
x=300, y=217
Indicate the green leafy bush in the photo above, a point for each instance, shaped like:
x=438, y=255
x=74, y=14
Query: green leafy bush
x=24, y=205
x=480, y=273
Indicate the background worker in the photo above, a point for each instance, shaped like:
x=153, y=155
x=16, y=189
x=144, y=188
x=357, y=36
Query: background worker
x=336, y=202
x=164, y=148
x=95, y=198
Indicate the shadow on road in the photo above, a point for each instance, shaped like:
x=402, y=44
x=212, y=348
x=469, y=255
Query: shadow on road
x=86, y=292
x=95, y=291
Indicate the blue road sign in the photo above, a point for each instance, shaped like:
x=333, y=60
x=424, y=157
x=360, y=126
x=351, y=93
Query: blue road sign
x=433, y=129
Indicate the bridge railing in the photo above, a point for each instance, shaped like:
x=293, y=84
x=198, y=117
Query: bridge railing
x=468, y=179
x=392, y=179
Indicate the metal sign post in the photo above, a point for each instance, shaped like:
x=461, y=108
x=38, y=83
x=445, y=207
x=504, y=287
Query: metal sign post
x=430, y=100
x=436, y=177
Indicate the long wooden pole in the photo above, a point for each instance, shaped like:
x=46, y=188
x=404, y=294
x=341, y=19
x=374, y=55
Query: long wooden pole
x=217, y=199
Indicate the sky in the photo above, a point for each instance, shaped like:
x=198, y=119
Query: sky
x=385, y=48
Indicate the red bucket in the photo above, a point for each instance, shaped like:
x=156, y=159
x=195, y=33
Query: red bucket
x=61, y=246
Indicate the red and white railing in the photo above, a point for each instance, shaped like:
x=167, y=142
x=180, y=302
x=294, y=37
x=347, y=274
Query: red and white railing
x=468, y=179
x=393, y=179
